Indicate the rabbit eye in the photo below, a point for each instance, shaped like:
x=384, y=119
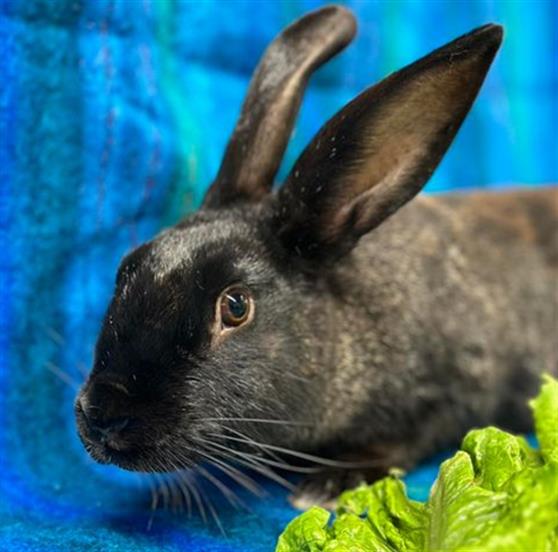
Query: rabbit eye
x=235, y=306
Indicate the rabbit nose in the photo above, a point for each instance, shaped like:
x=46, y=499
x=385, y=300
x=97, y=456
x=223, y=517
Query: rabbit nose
x=105, y=411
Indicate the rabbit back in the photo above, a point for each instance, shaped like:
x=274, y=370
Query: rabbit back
x=440, y=320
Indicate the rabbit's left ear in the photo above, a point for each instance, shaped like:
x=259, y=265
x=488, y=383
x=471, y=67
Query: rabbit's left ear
x=380, y=150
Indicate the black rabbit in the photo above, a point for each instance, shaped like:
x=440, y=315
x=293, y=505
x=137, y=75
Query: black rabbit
x=308, y=323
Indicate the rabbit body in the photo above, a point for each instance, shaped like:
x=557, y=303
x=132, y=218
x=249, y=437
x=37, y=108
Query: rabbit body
x=311, y=320
x=441, y=320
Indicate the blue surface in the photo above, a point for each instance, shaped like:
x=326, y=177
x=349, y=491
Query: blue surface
x=114, y=116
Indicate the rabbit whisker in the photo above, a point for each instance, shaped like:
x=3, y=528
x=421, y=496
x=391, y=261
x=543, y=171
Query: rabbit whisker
x=197, y=498
x=278, y=462
x=305, y=456
x=230, y=495
x=236, y=475
x=82, y=367
x=180, y=477
x=254, y=443
x=214, y=514
x=227, y=492
x=56, y=336
x=256, y=420
x=162, y=489
x=62, y=375
x=241, y=458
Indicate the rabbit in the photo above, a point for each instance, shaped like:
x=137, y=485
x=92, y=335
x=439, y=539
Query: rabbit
x=331, y=326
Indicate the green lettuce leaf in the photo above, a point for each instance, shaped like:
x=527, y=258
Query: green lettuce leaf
x=306, y=533
x=496, y=494
x=545, y=408
x=460, y=509
x=393, y=518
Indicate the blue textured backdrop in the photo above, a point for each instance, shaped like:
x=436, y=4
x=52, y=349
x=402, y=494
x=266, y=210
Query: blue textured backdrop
x=114, y=116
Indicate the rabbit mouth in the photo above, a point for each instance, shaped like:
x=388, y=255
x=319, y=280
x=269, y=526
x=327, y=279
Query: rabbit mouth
x=106, y=446
x=127, y=458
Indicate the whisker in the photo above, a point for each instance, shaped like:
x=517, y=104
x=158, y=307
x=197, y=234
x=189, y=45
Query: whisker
x=284, y=466
x=257, y=420
x=153, y=491
x=241, y=478
x=277, y=462
x=186, y=492
x=177, y=502
x=251, y=441
x=154, y=503
x=182, y=480
x=183, y=484
x=82, y=367
x=230, y=495
x=163, y=490
x=265, y=471
x=166, y=487
x=212, y=510
x=305, y=456
x=64, y=376
x=197, y=499
x=253, y=465
x=235, y=474
x=55, y=336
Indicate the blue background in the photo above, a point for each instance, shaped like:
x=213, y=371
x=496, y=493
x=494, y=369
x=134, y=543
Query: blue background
x=114, y=117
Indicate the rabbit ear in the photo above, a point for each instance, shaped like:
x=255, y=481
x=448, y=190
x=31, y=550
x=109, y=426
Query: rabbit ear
x=380, y=150
x=272, y=102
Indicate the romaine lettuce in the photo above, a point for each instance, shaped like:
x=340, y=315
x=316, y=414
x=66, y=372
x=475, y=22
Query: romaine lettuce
x=496, y=494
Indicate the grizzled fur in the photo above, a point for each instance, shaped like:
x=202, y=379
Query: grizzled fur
x=374, y=337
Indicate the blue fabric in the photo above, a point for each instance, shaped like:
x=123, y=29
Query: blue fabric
x=114, y=116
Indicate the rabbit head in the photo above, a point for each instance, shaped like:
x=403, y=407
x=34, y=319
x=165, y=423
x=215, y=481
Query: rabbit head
x=210, y=342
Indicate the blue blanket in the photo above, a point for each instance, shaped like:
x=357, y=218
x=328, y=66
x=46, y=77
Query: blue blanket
x=114, y=116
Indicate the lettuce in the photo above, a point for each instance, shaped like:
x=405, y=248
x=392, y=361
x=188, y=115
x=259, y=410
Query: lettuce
x=545, y=407
x=496, y=494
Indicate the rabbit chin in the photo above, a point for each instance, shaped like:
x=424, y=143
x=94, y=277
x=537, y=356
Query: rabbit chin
x=132, y=458
x=128, y=459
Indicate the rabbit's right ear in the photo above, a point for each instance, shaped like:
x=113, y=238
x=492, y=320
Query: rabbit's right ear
x=380, y=150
